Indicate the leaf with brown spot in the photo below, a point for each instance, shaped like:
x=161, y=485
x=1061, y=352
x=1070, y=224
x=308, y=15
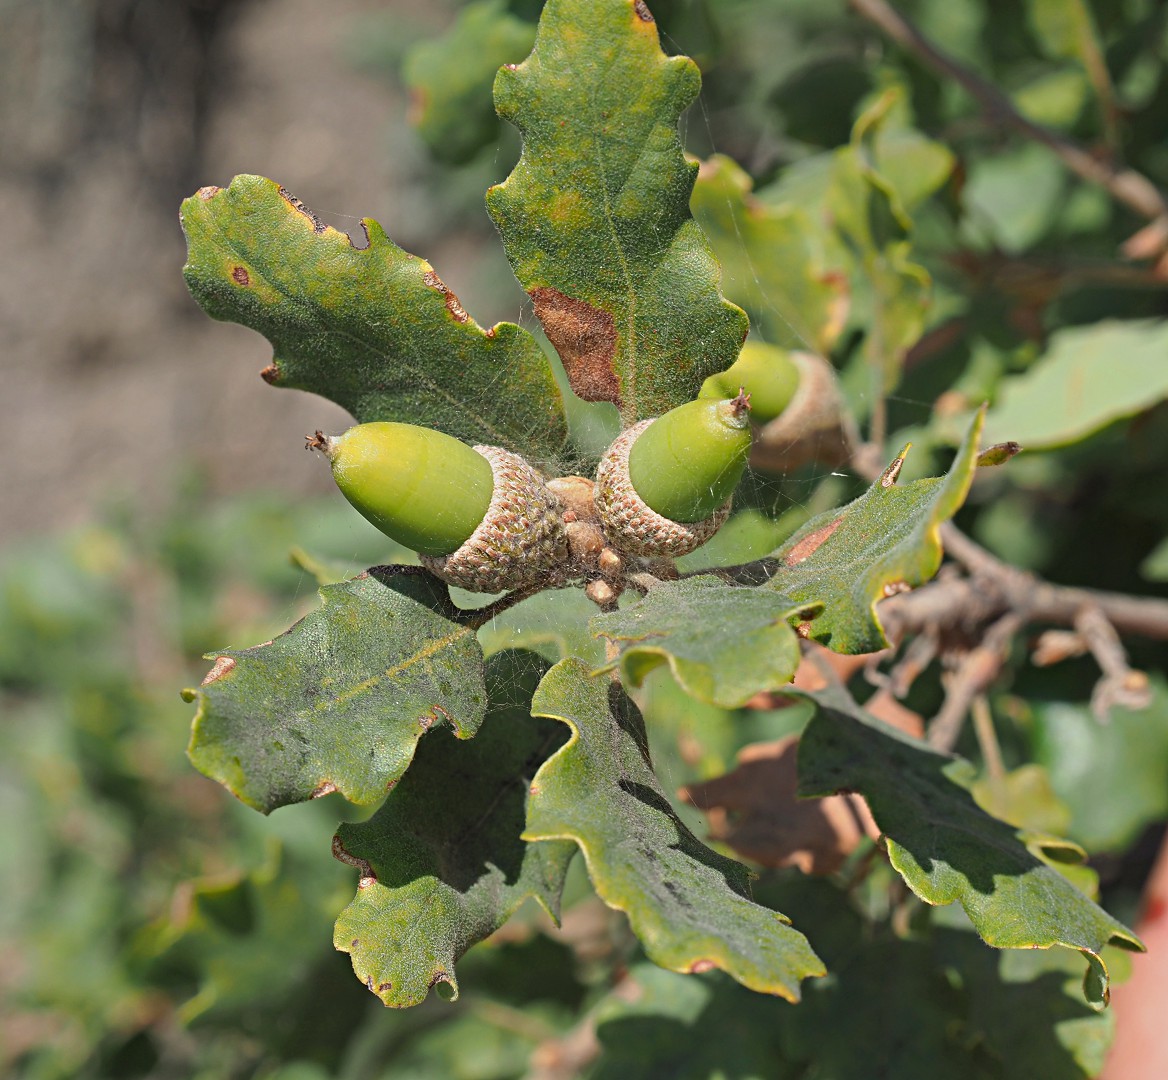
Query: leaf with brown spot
x=848, y=558
x=595, y=217
x=755, y=810
x=374, y=329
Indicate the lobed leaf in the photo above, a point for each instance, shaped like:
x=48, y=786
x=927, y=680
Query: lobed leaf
x=689, y=906
x=373, y=329
x=723, y=644
x=442, y=862
x=947, y=848
x=450, y=78
x=1090, y=377
x=771, y=265
x=595, y=217
x=886, y=541
x=339, y=701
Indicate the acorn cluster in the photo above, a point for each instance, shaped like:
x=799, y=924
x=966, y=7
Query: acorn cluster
x=484, y=519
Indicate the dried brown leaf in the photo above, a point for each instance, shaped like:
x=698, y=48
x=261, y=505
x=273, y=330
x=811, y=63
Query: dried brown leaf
x=754, y=810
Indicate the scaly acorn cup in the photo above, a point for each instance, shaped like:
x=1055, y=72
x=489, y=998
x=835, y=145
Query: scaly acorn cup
x=479, y=517
x=663, y=488
x=767, y=373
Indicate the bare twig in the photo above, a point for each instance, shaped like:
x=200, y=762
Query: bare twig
x=1120, y=685
x=921, y=652
x=975, y=674
x=1127, y=186
x=957, y=604
x=987, y=738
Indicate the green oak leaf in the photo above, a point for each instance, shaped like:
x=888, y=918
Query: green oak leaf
x=884, y=542
x=947, y=848
x=373, y=329
x=723, y=643
x=771, y=263
x=689, y=906
x=442, y=862
x=595, y=217
x=1090, y=377
x=338, y=702
x=450, y=78
x=872, y=222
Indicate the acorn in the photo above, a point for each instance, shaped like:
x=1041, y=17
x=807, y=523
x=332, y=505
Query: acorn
x=663, y=488
x=479, y=517
x=767, y=373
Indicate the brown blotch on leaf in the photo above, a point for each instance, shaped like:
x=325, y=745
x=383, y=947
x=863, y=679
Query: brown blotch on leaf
x=811, y=543
x=241, y=276
x=585, y=338
x=325, y=787
x=698, y=966
x=318, y=225
x=452, y=303
x=270, y=374
x=383, y=987
x=803, y=630
x=893, y=588
x=222, y=666
x=208, y=192
x=643, y=12
x=354, y=943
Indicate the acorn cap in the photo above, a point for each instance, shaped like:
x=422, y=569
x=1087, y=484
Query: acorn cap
x=631, y=525
x=521, y=539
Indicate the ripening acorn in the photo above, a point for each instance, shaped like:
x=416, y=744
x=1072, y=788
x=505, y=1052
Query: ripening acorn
x=766, y=372
x=663, y=488
x=479, y=517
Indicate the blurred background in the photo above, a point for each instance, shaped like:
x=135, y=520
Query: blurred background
x=155, y=503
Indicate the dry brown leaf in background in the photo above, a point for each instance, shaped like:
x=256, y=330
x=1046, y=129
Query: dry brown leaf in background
x=754, y=810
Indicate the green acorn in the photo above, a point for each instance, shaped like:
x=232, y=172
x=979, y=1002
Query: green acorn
x=479, y=517
x=768, y=374
x=663, y=488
